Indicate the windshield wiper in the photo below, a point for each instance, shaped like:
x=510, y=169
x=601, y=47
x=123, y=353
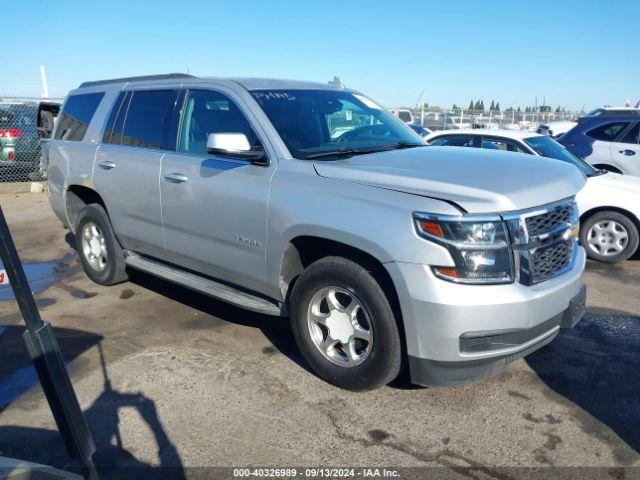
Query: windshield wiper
x=405, y=144
x=347, y=152
x=344, y=152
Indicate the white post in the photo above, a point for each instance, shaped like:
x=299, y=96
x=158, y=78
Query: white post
x=45, y=85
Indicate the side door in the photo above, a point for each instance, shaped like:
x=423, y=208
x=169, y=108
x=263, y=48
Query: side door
x=214, y=208
x=625, y=151
x=127, y=166
x=601, y=137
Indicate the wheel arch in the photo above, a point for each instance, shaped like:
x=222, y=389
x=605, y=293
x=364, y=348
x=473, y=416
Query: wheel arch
x=303, y=250
x=608, y=167
x=77, y=197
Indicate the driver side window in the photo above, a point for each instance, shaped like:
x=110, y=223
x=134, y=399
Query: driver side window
x=206, y=112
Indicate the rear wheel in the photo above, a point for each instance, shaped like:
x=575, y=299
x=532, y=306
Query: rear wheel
x=609, y=236
x=344, y=325
x=100, y=253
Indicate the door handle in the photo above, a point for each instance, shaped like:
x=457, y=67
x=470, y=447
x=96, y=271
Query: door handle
x=174, y=177
x=627, y=152
x=106, y=164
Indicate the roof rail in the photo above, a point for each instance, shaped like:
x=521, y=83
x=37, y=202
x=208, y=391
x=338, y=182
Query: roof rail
x=165, y=76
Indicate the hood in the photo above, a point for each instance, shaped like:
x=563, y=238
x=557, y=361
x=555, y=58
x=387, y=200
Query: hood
x=617, y=182
x=479, y=181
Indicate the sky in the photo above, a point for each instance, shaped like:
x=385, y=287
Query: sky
x=573, y=53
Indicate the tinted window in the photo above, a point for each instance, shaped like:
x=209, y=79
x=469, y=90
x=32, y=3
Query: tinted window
x=208, y=112
x=548, y=147
x=454, y=141
x=148, y=118
x=117, y=111
x=502, y=144
x=608, y=132
x=327, y=122
x=632, y=136
x=76, y=116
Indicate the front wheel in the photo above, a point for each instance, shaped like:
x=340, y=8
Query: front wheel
x=344, y=325
x=609, y=236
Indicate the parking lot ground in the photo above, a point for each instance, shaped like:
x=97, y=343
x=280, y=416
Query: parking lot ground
x=171, y=378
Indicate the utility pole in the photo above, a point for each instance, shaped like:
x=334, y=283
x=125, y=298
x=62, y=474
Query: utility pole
x=45, y=84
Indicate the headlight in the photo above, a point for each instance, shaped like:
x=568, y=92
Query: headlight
x=479, y=247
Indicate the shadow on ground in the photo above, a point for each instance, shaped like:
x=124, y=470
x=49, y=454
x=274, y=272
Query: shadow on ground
x=596, y=366
x=46, y=447
x=276, y=329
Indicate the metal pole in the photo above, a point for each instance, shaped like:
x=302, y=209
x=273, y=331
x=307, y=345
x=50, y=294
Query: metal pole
x=47, y=359
x=45, y=84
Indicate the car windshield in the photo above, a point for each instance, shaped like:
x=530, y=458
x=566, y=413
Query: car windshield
x=319, y=123
x=547, y=147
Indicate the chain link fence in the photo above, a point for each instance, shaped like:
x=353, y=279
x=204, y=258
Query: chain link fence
x=26, y=125
x=510, y=119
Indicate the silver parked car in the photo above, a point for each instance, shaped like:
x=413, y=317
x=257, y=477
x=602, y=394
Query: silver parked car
x=384, y=252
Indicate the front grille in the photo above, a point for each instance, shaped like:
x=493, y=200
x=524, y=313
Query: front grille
x=543, y=240
x=546, y=262
x=546, y=222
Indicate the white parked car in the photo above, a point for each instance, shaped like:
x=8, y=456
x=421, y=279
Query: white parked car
x=557, y=128
x=403, y=114
x=609, y=203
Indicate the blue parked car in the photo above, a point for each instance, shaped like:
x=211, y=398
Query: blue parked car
x=607, y=138
x=419, y=129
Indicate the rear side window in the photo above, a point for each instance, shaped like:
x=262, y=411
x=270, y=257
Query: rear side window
x=502, y=144
x=454, y=141
x=113, y=130
x=632, y=136
x=607, y=132
x=148, y=119
x=76, y=115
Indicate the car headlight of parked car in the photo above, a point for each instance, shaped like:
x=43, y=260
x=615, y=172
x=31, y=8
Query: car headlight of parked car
x=479, y=247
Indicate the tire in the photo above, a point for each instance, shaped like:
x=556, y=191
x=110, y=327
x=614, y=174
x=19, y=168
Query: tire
x=107, y=269
x=605, y=230
x=379, y=359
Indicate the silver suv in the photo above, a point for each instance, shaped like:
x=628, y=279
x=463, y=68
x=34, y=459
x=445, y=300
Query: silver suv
x=310, y=200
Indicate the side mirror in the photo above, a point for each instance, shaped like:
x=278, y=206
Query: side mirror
x=234, y=145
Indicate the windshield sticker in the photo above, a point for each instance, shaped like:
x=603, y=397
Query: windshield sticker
x=273, y=96
x=367, y=101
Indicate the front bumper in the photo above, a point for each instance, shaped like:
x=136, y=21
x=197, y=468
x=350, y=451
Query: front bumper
x=460, y=333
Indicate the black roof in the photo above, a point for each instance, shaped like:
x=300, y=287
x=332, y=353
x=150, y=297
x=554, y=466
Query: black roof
x=165, y=76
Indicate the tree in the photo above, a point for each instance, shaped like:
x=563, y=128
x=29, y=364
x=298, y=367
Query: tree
x=455, y=107
x=481, y=106
x=493, y=106
x=470, y=105
x=477, y=105
x=519, y=110
x=498, y=107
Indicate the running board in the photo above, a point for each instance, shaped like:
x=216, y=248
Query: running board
x=212, y=288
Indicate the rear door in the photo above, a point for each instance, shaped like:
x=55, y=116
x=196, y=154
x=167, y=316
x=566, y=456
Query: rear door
x=601, y=137
x=625, y=151
x=127, y=166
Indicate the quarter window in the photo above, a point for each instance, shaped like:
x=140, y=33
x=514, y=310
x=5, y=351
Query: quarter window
x=608, y=132
x=148, y=119
x=206, y=112
x=76, y=115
